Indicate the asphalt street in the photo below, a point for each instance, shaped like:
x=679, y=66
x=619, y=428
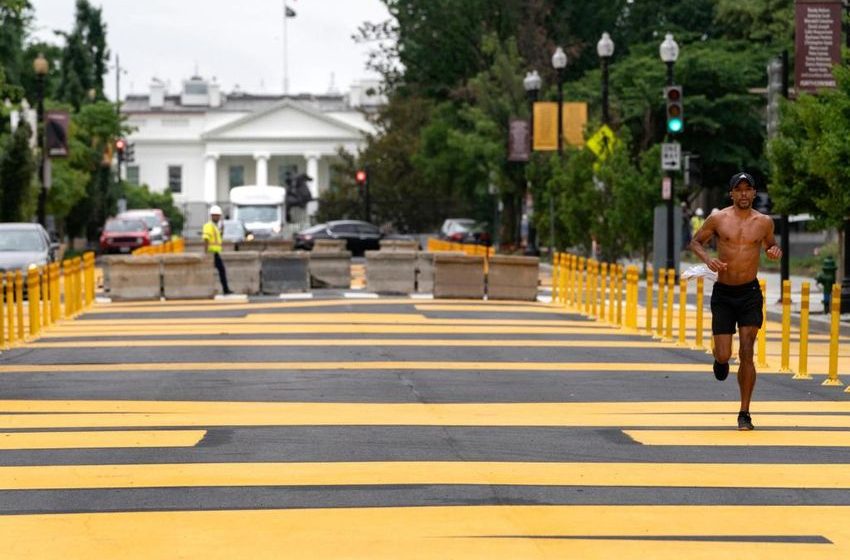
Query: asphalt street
x=407, y=428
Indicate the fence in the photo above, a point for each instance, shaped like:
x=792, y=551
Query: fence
x=33, y=299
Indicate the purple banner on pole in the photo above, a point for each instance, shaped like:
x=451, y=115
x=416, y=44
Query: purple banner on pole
x=519, y=140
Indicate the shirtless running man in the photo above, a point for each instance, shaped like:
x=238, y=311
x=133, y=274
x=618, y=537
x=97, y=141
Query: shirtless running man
x=741, y=232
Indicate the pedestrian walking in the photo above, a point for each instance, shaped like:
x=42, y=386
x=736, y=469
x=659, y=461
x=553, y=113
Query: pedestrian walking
x=740, y=233
x=212, y=244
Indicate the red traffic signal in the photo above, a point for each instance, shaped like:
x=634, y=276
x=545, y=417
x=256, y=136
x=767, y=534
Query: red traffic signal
x=361, y=177
x=120, y=144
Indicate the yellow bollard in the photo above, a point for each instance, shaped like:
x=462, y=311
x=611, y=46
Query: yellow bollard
x=556, y=265
x=634, y=287
x=603, y=286
x=588, y=294
x=785, y=360
x=803, y=363
x=649, y=295
x=80, y=289
x=582, y=270
x=45, y=297
x=55, y=297
x=594, y=289
x=671, y=287
x=10, y=306
x=34, y=300
x=67, y=288
x=835, y=305
x=662, y=286
x=2, y=314
x=619, y=278
x=19, y=302
x=576, y=282
x=571, y=281
x=683, y=310
x=562, y=279
x=612, y=277
x=698, y=339
x=88, y=273
x=762, y=336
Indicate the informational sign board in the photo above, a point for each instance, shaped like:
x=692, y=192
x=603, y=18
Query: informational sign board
x=671, y=156
x=519, y=140
x=666, y=188
x=818, y=43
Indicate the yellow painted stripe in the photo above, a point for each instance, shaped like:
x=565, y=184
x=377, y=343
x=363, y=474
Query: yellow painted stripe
x=371, y=342
x=469, y=532
x=93, y=439
x=80, y=329
x=357, y=366
x=488, y=308
x=403, y=414
x=802, y=438
x=679, y=475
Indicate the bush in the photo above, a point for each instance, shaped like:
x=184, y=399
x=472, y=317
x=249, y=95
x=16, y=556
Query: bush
x=141, y=197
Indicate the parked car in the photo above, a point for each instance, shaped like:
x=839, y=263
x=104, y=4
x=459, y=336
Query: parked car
x=359, y=236
x=23, y=244
x=155, y=220
x=123, y=235
x=234, y=231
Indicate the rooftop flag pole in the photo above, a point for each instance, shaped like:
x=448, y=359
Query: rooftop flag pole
x=287, y=13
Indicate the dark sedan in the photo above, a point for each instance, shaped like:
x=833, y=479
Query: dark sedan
x=359, y=236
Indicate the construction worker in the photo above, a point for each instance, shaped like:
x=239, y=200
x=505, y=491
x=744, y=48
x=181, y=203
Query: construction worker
x=696, y=221
x=212, y=244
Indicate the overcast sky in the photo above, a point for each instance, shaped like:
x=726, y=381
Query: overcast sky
x=238, y=42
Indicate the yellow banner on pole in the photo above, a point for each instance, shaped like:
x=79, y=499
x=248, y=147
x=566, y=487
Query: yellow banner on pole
x=545, y=126
x=574, y=122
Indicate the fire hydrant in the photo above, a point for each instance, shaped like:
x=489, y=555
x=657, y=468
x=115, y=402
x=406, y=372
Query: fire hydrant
x=826, y=278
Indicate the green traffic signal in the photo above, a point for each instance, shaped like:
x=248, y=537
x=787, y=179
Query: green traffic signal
x=674, y=125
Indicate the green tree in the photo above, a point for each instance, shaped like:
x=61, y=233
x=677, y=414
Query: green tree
x=17, y=173
x=15, y=18
x=84, y=58
x=140, y=196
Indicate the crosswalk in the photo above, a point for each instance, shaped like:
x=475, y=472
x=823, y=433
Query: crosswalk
x=400, y=428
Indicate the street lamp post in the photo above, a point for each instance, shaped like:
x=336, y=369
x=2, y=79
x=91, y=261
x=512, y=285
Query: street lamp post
x=605, y=49
x=40, y=66
x=531, y=83
x=559, y=63
x=669, y=51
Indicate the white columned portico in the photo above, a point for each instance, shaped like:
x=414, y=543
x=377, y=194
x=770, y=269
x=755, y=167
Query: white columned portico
x=210, y=178
x=313, y=172
x=262, y=159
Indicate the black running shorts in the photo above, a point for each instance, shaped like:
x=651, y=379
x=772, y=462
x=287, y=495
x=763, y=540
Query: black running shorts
x=739, y=305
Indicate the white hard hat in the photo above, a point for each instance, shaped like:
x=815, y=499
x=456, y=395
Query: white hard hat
x=215, y=210
x=699, y=212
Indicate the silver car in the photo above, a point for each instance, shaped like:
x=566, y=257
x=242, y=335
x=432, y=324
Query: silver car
x=23, y=244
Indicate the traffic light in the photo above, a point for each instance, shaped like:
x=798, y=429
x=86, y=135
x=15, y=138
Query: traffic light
x=675, y=109
x=774, y=93
x=120, y=147
x=362, y=179
x=130, y=152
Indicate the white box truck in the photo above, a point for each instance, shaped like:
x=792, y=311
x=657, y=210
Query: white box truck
x=260, y=208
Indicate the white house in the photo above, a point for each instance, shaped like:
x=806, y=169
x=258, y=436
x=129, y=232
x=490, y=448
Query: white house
x=202, y=142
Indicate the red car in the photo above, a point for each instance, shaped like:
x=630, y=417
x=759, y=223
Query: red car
x=124, y=235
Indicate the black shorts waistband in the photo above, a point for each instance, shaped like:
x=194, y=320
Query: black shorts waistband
x=737, y=288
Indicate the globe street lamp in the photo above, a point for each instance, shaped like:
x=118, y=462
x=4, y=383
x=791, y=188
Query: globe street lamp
x=605, y=49
x=559, y=63
x=531, y=83
x=40, y=67
x=669, y=51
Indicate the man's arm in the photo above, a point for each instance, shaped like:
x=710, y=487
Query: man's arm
x=700, y=238
x=773, y=251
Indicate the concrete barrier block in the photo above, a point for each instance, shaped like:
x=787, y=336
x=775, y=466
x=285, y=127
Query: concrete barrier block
x=425, y=273
x=391, y=272
x=133, y=278
x=458, y=276
x=279, y=245
x=513, y=277
x=256, y=245
x=187, y=276
x=399, y=245
x=285, y=272
x=329, y=245
x=193, y=246
x=330, y=269
x=243, y=272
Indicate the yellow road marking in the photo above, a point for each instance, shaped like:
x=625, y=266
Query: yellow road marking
x=804, y=438
x=93, y=414
x=372, y=342
x=488, y=308
x=679, y=475
x=358, y=366
x=92, y=439
x=469, y=532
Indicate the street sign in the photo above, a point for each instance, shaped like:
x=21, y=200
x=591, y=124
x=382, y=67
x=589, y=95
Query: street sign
x=671, y=156
x=818, y=43
x=602, y=142
x=666, y=188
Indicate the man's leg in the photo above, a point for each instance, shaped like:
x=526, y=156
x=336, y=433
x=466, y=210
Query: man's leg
x=747, y=369
x=222, y=274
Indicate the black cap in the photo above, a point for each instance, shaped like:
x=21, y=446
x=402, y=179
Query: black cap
x=742, y=176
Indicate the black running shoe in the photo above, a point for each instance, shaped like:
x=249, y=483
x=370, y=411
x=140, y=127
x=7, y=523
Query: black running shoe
x=745, y=423
x=721, y=371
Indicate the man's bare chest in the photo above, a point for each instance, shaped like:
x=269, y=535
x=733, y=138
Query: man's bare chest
x=741, y=232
